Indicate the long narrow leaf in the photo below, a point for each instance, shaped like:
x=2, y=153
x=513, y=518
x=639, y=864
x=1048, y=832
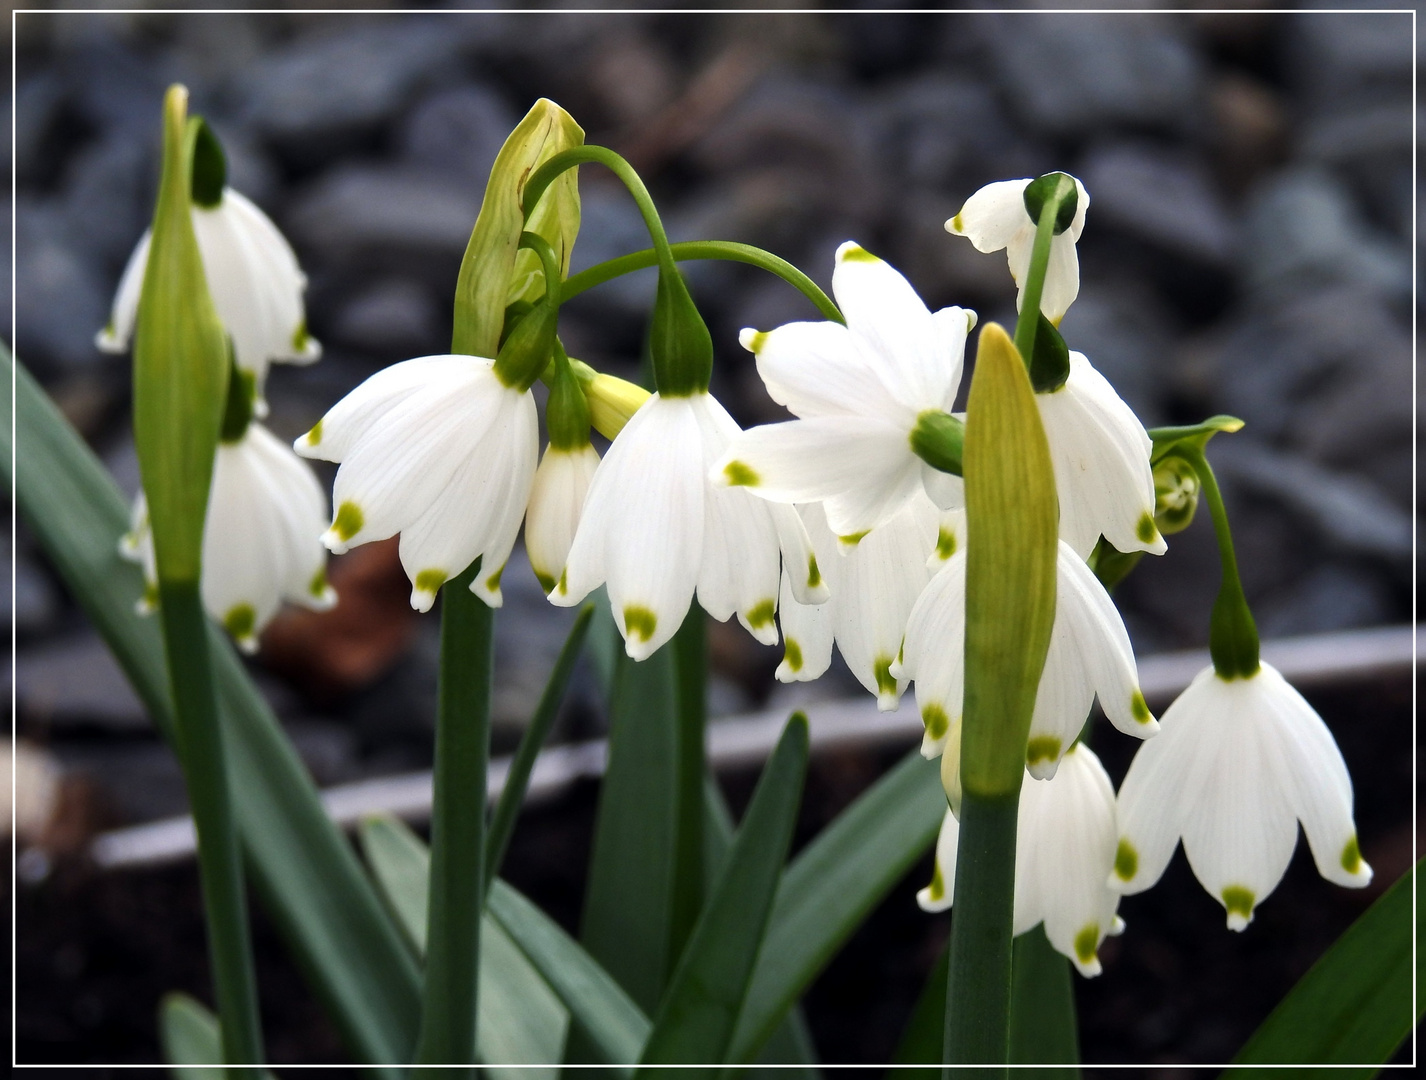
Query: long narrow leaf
x=522, y=1020
x=191, y=1041
x=696, y=1020
x=302, y=867
x=925, y=1034
x=1043, y=1030
x=831, y=886
x=1354, y=1006
x=609, y=1019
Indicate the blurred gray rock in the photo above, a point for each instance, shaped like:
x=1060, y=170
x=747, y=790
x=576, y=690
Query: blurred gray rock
x=108, y=198
x=1163, y=198
x=39, y=100
x=1121, y=327
x=118, y=90
x=1071, y=74
x=60, y=300
x=1331, y=597
x=391, y=316
x=610, y=226
x=34, y=603
x=1335, y=57
x=75, y=681
x=457, y=132
x=1302, y=230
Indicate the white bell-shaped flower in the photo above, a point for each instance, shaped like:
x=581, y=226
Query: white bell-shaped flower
x=1100, y=453
x=1065, y=834
x=1089, y=655
x=556, y=500
x=260, y=546
x=655, y=529
x=255, y=283
x=995, y=217
x=440, y=450
x=1238, y=764
x=874, y=586
x=858, y=391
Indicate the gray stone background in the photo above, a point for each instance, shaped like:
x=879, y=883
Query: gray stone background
x=1248, y=250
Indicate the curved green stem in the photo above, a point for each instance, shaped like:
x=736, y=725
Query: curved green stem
x=727, y=250
x=548, y=261
x=1233, y=635
x=1029, y=321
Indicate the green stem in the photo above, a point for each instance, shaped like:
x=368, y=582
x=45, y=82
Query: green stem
x=549, y=262
x=689, y=251
x=978, y=986
x=200, y=741
x=448, y=1007
x=502, y=824
x=691, y=678
x=1029, y=320
x=1232, y=634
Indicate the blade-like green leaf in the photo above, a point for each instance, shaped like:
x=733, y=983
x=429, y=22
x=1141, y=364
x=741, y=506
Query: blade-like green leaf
x=1043, y=1030
x=522, y=1020
x=696, y=1020
x=831, y=886
x=628, y=901
x=925, y=1033
x=1354, y=1007
x=303, y=868
x=191, y=1039
x=610, y=1021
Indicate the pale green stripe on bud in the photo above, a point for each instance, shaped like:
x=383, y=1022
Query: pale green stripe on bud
x=180, y=362
x=1011, y=547
x=495, y=270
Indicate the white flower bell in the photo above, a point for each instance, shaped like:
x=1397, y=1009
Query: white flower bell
x=556, y=501
x=995, y=217
x=260, y=547
x=1237, y=764
x=1100, y=453
x=1089, y=655
x=255, y=283
x=441, y=450
x=655, y=528
x=1065, y=833
x=858, y=391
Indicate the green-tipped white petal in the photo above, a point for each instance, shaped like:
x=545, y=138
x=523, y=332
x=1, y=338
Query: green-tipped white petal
x=817, y=369
x=806, y=628
x=556, y=499
x=938, y=894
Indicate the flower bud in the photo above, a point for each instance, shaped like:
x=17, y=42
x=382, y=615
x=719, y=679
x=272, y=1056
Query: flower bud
x=1176, y=490
x=612, y=401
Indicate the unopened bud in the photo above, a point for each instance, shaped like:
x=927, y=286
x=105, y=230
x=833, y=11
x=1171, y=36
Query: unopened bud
x=1176, y=489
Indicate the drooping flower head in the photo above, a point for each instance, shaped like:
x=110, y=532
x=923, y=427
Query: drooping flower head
x=858, y=391
x=1237, y=764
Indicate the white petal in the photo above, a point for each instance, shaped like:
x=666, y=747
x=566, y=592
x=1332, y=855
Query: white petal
x=1081, y=208
x=1061, y=278
x=1062, y=700
x=894, y=330
x=862, y=469
x=806, y=636
x=994, y=215
x=800, y=562
x=938, y=895
x=950, y=537
x=556, y=499
x=1100, y=453
x=114, y=338
x=817, y=369
x=933, y=650
x=301, y=506
x=951, y=326
x=1317, y=780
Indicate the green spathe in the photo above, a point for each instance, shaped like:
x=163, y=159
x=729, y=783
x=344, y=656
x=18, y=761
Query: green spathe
x=180, y=363
x=495, y=270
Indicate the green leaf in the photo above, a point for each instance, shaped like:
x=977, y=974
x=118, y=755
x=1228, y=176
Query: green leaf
x=180, y=362
x=1354, y=1006
x=833, y=883
x=924, y=1036
x=190, y=1037
x=302, y=867
x=1166, y=438
x=1043, y=1030
x=613, y=1025
x=495, y=272
x=628, y=901
x=698, y=1015
x=522, y=1020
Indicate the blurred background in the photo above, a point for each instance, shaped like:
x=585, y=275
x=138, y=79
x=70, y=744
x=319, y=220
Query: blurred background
x=1248, y=250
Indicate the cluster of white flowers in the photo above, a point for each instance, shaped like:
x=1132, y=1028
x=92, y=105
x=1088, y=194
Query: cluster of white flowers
x=830, y=524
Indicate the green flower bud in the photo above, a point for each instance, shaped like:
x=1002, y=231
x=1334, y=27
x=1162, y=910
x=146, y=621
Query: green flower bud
x=1176, y=490
x=181, y=362
x=679, y=343
x=612, y=401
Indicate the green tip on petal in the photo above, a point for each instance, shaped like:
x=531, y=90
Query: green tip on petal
x=240, y=622
x=1146, y=530
x=853, y=539
x=1352, y=856
x=792, y=655
x=429, y=581
x=814, y=574
x=639, y=622
x=945, y=544
x=753, y=340
x=1042, y=748
x=314, y=436
x=492, y=583
x=937, y=888
x=1086, y=943
x=547, y=583
x=740, y=474
x=348, y=521
x=300, y=338
x=936, y=721
x=884, y=681
x=149, y=601
x=761, y=614
x=856, y=253
x=1239, y=902
x=956, y=225
x=562, y=586
x=1126, y=861
x=318, y=585
x=1139, y=708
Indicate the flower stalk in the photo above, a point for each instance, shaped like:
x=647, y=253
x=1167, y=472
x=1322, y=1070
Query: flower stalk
x=1058, y=193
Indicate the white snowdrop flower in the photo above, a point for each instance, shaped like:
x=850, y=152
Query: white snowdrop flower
x=655, y=529
x=442, y=451
x=255, y=283
x=1238, y=764
x=556, y=499
x=1065, y=832
x=995, y=217
x=874, y=585
x=260, y=546
x=859, y=391
x=1089, y=655
x=1100, y=453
